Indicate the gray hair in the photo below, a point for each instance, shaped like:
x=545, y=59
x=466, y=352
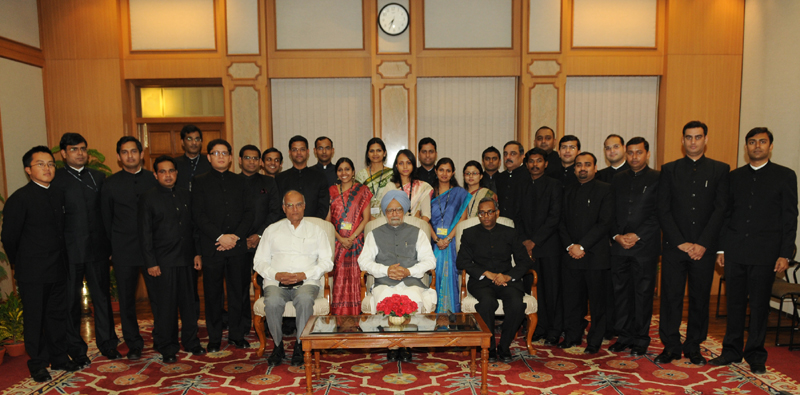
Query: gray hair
x=489, y=199
x=283, y=201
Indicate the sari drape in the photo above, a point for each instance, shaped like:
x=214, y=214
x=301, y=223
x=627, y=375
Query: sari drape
x=446, y=210
x=346, y=215
x=377, y=185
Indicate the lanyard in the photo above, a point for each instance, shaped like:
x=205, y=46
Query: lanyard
x=94, y=188
x=373, y=188
x=410, y=191
x=445, y=205
x=345, y=205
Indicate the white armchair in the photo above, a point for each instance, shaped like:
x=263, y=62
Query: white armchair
x=468, y=301
x=322, y=304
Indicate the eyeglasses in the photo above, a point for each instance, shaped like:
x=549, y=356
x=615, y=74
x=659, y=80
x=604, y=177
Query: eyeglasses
x=485, y=213
x=42, y=165
x=276, y=160
x=250, y=158
x=190, y=139
x=76, y=149
x=294, y=205
x=324, y=148
x=220, y=153
x=471, y=174
x=299, y=149
x=396, y=210
x=569, y=147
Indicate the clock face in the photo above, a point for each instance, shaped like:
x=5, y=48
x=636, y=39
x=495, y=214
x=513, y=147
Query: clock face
x=393, y=19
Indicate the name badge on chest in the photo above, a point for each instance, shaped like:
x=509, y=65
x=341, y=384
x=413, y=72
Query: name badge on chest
x=375, y=211
x=441, y=231
x=346, y=226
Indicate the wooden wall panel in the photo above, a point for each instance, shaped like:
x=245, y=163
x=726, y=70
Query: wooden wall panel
x=80, y=29
x=705, y=27
x=178, y=67
x=468, y=66
x=349, y=67
x=615, y=65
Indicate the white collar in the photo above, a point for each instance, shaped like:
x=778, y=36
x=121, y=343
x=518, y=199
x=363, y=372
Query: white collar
x=617, y=167
x=78, y=170
x=759, y=167
x=45, y=187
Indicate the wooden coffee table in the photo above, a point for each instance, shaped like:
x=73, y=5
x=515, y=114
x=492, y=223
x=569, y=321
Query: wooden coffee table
x=373, y=331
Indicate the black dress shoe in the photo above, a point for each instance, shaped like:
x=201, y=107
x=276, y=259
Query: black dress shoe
x=405, y=355
x=504, y=355
x=297, y=355
x=638, y=351
x=393, y=355
x=213, y=347
x=568, y=344
x=41, y=376
x=82, y=361
x=537, y=337
x=758, y=368
x=68, y=366
x=277, y=355
x=198, y=350
x=696, y=358
x=610, y=335
x=667, y=357
x=492, y=355
x=551, y=341
x=591, y=350
x=618, y=347
x=720, y=361
x=134, y=354
x=171, y=358
x=239, y=343
x=112, y=354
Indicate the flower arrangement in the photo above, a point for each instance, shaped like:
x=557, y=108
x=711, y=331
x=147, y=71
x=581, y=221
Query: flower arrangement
x=397, y=306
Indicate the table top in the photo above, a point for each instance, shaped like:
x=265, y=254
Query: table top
x=417, y=323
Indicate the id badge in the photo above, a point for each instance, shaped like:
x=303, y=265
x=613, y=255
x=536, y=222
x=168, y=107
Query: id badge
x=346, y=226
x=441, y=231
x=375, y=211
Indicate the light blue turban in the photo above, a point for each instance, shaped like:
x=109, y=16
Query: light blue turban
x=395, y=194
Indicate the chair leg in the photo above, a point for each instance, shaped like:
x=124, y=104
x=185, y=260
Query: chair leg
x=533, y=319
x=719, y=298
x=792, y=346
x=258, y=324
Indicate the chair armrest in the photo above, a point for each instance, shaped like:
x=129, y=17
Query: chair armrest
x=463, y=284
x=432, y=272
x=363, y=281
x=534, y=290
x=256, y=288
x=327, y=288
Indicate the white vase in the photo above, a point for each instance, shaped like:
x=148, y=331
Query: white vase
x=393, y=320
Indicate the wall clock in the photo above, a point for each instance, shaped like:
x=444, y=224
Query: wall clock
x=393, y=19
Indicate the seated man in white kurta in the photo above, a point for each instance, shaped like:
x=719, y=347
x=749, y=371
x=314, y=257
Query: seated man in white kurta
x=398, y=255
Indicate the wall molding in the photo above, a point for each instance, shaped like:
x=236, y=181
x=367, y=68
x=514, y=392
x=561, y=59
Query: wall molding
x=19, y=52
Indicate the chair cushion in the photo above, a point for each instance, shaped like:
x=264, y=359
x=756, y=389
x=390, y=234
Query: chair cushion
x=321, y=307
x=468, y=305
x=781, y=288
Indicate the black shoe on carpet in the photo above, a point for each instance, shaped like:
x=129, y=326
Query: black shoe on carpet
x=297, y=355
x=392, y=355
x=758, y=368
x=135, y=354
x=504, y=355
x=619, y=347
x=551, y=341
x=171, y=358
x=568, y=344
x=68, y=366
x=213, y=347
x=667, y=357
x=198, y=350
x=82, y=361
x=239, y=343
x=591, y=350
x=720, y=361
x=277, y=355
x=696, y=358
x=492, y=355
x=112, y=354
x=41, y=376
x=405, y=355
x=638, y=351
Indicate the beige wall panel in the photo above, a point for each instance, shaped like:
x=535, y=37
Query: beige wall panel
x=467, y=66
x=468, y=23
x=394, y=69
x=19, y=21
x=240, y=71
x=320, y=67
x=394, y=120
x=614, y=65
x=172, y=24
x=245, y=118
x=399, y=43
x=544, y=68
x=79, y=29
x=243, y=32
x=614, y=23
x=598, y=106
x=705, y=27
x=466, y=115
x=22, y=115
x=544, y=33
x=337, y=108
x=319, y=24
x=544, y=109
x=173, y=68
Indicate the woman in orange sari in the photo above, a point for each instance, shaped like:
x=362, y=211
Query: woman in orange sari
x=349, y=214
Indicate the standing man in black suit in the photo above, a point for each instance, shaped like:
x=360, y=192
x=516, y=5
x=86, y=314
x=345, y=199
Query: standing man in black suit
x=692, y=198
x=586, y=219
x=537, y=223
x=635, y=247
x=427, y=159
x=757, y=241
x=509, y=181
x=191, y=163
x=167, y=239
x=88, y=249
x=569, y=147
x=310, y=183
x=33, y=237
x=323, y=150
x=223, y=213
x=545, y=139
x=614, y=150
x=120, y=198
x=491, y=163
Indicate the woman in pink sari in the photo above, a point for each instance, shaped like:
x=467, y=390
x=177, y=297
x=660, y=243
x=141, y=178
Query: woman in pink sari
x=349, y=214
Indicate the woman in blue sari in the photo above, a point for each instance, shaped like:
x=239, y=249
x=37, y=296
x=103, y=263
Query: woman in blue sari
x=448, y=208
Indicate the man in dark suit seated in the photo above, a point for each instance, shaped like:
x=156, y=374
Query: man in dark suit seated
x=33, y=237
x=485, y=254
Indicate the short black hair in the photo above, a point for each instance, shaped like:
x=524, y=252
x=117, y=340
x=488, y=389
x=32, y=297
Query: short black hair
x=695, y=124
x=188, y=129
x=271, y=150
x=569, y=138
x=249, y=147
x=396, y=178
x=320, y=138
x=28, y=157
x=453, y=181
x=215, y=142
x=374, y=140
x=163, y=158
x=128, y=139
x=475, y=164
x=548, y=128
x=587, y=153
x=426, y=140
x=521, y=148
x=621, y=140
x=297, y=138
x=755, y=131
x=638, y=140
x=535, y=151
x=489, y=150
x=71, y=139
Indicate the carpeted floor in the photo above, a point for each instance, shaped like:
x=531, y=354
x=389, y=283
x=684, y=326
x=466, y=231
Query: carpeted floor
x=550, y=371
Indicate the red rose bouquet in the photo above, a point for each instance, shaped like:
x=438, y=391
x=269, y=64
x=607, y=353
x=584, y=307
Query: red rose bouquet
x=397, y=306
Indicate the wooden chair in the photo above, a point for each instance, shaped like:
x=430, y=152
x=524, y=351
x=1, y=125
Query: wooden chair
x=468, y=301
x=322, y=304
x=367, y=280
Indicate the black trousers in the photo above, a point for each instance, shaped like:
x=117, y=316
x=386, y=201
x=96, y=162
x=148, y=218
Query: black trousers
x=127, y=282
x=576, y=283
x=676, y=267
x=97, y=280
x=551, y=305
x=514, y=308
x=750, y=285
x=234, y=272
x=45, y=322
x=634, y=281
x=175, y=294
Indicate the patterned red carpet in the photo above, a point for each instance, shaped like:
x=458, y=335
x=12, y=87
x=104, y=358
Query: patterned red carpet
x=550, y=371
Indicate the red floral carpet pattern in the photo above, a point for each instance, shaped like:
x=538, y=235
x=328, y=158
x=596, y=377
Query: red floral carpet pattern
x=550, y=371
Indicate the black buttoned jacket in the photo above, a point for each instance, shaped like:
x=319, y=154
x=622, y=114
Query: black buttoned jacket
x=636, y=196
x=221, y=204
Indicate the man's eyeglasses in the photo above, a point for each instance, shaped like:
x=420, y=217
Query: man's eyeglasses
x=220, y=153
x=250, y=158
x=485, y=213
x=301, y=149
x=43, y=165
x=294, y=205
x=76, y=149
x=190, y=139
x=396, y=210
x=276, y=160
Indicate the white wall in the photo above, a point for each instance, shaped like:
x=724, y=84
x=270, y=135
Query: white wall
x=614, y=23
x=467, y=24
x=319, y=24
x=19, y=21
x=172, y=24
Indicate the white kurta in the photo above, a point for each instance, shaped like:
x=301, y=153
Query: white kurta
x=284, y=248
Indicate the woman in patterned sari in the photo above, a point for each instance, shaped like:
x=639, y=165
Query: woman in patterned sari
x=349, y=214
x=376, y=175
x=404, y=178
x=473, y=173
x=448, y=208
